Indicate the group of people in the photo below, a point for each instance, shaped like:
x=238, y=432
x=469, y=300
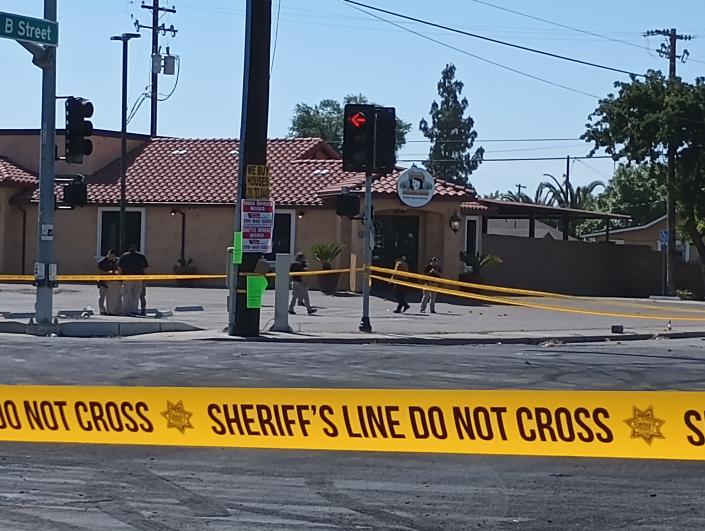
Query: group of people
x=433, y=269
x=123, y=298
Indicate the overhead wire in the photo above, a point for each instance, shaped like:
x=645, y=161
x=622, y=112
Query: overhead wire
x=276, y=38
x=465, y=52
x=517, y=159
x=490, y=39
x=558, y=24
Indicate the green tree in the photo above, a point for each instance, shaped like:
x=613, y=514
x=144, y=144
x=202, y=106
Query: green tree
x=642, y=121
x=451, y=133
x=325, y=121
x=638, y=191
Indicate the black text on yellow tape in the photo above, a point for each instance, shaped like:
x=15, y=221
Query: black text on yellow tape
x=665, y=425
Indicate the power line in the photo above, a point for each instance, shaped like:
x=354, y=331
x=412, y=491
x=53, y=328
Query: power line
x=482, y=140
x=586, y=32
x=496, y=41
x=276, y=38
x=516, y=71
x=522, y=159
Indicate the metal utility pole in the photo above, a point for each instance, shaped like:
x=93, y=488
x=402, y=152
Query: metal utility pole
x=365, y=325
x=45, y=266
x=244, y=321
x=156, y=58
x=669, y=50
x=125, y=39
x=519, y=187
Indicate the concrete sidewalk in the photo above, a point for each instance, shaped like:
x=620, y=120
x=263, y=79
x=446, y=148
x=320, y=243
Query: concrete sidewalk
x=339, y=316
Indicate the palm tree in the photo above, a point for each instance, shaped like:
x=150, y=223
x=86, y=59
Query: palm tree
x=564, y=195
x=517, y=197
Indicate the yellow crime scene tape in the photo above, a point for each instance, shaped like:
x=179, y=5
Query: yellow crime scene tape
x=122, y=278
x=622, y=424
x=538, y=306
x=526, y=292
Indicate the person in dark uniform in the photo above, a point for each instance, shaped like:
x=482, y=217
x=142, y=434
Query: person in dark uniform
x=298, y=285
x=109, y=291
x=132, y=263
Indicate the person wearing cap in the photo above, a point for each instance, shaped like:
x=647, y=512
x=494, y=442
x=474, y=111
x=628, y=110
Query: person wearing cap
x=431, y=270
x=298, y=285
x=109, y=291
x=132, y=263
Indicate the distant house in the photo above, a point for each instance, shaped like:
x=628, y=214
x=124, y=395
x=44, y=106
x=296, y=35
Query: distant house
x=647, y=235
x=520, y=227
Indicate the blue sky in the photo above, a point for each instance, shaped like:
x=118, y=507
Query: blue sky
x=326, y=49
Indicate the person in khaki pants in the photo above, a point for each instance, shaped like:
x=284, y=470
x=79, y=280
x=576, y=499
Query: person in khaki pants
x=109, y=292
x=132, y=263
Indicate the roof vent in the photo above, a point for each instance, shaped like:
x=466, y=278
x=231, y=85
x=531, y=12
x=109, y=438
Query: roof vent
x=179, y=152
x=234, y=152
x=319, y=172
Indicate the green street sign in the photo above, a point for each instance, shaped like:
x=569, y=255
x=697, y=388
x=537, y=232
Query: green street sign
x=36, y=30
x=256, y=285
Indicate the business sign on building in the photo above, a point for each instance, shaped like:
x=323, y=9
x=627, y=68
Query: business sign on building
x=415, y=187
x=257, y=225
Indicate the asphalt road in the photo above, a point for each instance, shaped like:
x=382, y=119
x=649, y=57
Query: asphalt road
x=72, y=487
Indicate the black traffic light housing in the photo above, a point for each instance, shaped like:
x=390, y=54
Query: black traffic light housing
x=76, y=192
x=347, y=205
x=369, y=138
x=77, y=129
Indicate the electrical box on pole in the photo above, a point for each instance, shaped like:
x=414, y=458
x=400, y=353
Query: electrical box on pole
x=78, y=128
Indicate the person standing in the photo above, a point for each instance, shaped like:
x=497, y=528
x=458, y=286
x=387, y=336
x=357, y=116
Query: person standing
x=431, y=270
x=399, y=290
x=132, y=263
x=298, y=285
x=109, y=291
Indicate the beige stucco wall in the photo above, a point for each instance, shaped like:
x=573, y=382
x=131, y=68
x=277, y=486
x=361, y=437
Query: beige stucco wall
x=24, y=151
x=209, y=233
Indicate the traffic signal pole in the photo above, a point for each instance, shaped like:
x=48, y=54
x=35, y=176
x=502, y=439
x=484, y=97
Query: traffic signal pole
x=46, y=261
x=365, y=325
x=244, y=321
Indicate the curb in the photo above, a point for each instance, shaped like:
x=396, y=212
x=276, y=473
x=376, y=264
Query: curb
x=512, y=340
x=96, y=328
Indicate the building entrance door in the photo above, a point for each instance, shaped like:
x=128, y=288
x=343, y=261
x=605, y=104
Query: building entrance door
x=394, y=236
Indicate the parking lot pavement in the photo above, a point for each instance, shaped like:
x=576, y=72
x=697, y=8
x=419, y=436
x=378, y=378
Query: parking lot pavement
x=339, y=316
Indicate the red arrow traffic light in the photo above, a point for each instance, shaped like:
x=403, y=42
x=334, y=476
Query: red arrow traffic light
x=358, y=119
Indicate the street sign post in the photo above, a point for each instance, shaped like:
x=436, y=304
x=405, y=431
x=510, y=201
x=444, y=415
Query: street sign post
x=27, y=29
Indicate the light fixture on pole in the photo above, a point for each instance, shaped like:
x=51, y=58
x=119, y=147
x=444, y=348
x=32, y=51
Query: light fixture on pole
x=454, y=221
x=124, y=38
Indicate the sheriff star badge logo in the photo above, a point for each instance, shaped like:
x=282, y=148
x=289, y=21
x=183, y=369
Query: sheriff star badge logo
x=645, y=425
x=177, y=417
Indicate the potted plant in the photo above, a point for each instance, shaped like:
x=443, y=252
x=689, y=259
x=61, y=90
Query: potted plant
x=184, y=267
x=325, y=253
x=474, y=264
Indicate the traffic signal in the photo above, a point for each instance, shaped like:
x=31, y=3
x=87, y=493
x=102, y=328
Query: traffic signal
x=358, y=137
x=386, y=141
x=77, y=129
x=369, y=138
x=76, y=192
x=347, y=205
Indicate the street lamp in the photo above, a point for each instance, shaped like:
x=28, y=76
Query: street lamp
x=183, y=235
x=124, y=38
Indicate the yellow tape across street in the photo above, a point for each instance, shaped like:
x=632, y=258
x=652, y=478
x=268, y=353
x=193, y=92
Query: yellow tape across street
x=631, y=424
x=514, y=302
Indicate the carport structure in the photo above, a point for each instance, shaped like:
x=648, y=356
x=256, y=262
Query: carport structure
x=500, y=209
